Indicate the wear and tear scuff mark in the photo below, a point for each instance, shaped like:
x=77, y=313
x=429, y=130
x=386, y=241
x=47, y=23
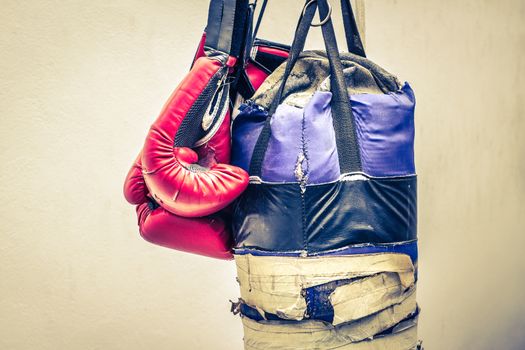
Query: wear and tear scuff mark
x=310, y=335
x=301, y=165
x=309, y=72
x=299, y=171
x=367, y=327
x=276, y=285
x=318, y=305
x=368, y=295
x=355, y=304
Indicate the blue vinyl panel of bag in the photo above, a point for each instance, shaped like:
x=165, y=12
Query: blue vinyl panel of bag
x=326, y=176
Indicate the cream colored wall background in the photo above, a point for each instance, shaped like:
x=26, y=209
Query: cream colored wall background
x=82, y=80
x=466, y=60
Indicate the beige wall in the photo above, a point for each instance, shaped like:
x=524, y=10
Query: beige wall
x=82, y=80
x=465, y=60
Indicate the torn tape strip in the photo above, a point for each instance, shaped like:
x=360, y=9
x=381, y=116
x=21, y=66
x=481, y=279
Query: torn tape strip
x=278, y=285
x=286, y=335
x=366, y=296
x=364, y=328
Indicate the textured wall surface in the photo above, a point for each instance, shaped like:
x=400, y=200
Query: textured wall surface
x=80, y=83
x=466, y=62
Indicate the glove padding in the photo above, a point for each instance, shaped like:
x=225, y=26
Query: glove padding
x=206, y=236
x=178, y=179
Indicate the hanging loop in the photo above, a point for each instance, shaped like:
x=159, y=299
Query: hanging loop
x=325, y=19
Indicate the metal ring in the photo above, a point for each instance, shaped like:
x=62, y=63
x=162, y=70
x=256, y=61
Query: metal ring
x=327, y=16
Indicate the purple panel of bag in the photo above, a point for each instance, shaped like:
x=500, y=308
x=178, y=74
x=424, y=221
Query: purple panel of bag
x=305, y=138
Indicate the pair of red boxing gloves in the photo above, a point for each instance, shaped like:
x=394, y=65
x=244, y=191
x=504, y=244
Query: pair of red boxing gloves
x=181, y=182
x=181, y=193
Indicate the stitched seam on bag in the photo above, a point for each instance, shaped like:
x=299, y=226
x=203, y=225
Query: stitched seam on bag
x=303, y=214
x=303, y=183
x=304, y=142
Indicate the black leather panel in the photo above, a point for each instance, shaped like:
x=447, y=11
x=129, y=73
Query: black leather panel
x=269, y=217
x=372, y=211
x=278, y=217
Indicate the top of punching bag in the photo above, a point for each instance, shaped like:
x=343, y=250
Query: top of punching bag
x=312, y=72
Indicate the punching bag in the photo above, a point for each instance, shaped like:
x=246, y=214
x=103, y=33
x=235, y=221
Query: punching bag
x=325, y=237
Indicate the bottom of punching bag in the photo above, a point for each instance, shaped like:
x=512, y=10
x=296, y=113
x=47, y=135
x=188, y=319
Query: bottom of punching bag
x=310, y=335
x=325, y=302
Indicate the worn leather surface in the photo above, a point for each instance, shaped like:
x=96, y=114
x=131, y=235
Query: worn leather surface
x=173, y=176
x=280, y=217
x=385, y=132
x=206, y=235
x=209, y=236
x=302, y=144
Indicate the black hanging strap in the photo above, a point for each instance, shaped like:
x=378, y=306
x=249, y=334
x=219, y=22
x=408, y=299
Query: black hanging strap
x=261, y=145
x=259, y=19
x=353, y=38
x=239, y=76
x=226, y=24
x=213, y=27
x=343, y=119
x=238, y=33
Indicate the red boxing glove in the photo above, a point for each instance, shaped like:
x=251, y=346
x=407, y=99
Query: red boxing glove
x=177, y=178
x=206, y=236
